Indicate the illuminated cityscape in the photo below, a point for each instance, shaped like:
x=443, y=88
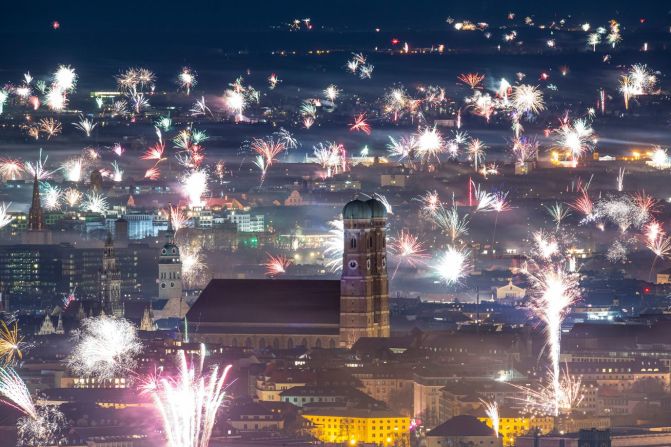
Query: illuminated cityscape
x=346, y=224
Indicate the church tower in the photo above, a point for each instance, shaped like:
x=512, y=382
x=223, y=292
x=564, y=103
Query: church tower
x=364, y=294
x=35, y=218
x=110, y=281
x=170, y=269
x=37, y=233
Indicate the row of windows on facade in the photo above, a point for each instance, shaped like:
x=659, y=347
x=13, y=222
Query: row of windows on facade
x=276, y=343
x=353, y=243
x=170, y=275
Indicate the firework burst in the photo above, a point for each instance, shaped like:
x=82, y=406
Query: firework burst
x=11, y=343
x=188, y=404
x=104, y=347
x=407, y=249
x=473, y=80
x=276, y=265
x=453, y=265
x=186, y=79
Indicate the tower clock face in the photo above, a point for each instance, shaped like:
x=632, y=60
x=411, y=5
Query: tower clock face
x=353, y=264
x=368, y=264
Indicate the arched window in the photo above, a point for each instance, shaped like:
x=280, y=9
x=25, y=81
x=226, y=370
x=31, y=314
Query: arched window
x=262, y=343
x=290, y=343
x=352, y=243
x=248, y=343
x=370, y=242
x=318, y=343
x=304, y=342
x=234, y=342
x=332, y=344
x=276, y=344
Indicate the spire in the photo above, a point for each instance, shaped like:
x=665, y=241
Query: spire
x=170, y=232
x=35, y=222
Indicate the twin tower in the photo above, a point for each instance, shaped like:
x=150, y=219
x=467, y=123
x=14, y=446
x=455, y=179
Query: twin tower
x=364, y=286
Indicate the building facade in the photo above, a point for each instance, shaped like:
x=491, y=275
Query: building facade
x=110, y=281
x=312, y=313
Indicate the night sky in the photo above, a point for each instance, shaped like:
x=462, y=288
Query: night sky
x=213, y=15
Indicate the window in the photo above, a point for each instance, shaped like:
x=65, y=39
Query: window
x=352, y=243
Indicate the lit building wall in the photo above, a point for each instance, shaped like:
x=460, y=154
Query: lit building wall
x=362, y=429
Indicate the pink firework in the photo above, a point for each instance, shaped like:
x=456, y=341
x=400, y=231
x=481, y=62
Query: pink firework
x=267, y=148
x=10, y=169
x=360, y=124
x=646, y=204
x=276, y=265
x=583, y=204
x=152, y=173
x=155, y=152
x=118, y=149
x=408, y=249
x=188, y=403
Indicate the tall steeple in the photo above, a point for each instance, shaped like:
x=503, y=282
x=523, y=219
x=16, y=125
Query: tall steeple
x=35, y=218
x=170, y=286
x=110, y=281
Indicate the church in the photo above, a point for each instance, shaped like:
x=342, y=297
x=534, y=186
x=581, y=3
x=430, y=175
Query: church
x=283, y=314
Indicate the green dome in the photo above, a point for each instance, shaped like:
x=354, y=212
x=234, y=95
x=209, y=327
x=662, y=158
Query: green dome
x=357, y=209
x=377, y=208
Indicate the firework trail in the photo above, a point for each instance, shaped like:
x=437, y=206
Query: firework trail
x=104, y=347
x=188, y=404
x=554, y=292
x=492, y=412
x=620, y=179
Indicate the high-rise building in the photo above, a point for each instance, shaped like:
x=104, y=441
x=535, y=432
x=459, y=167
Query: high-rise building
x=364, y=294
x=110, y=281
